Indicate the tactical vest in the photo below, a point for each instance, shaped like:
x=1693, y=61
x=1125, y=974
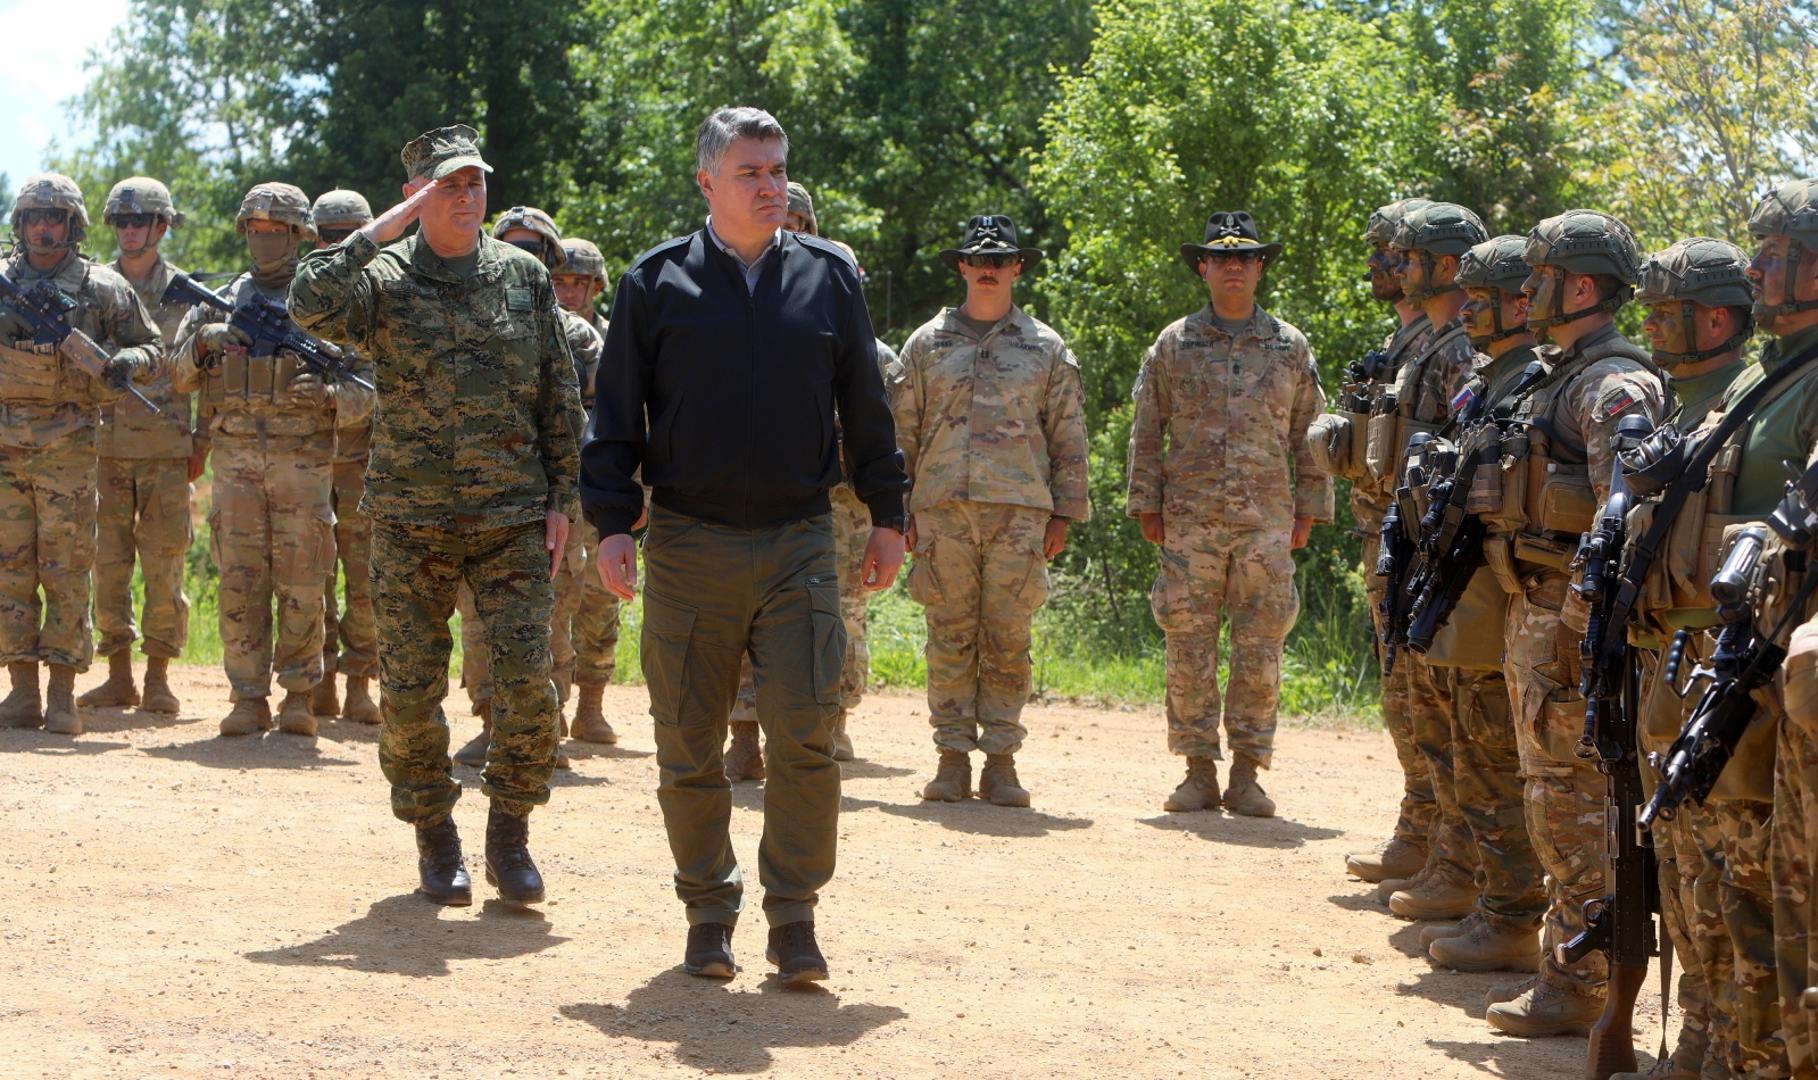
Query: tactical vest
x=32, y=374
x=1400, y=413
x=249, y=395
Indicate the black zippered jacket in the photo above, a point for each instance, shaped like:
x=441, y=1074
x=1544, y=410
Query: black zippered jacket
x=726, y=398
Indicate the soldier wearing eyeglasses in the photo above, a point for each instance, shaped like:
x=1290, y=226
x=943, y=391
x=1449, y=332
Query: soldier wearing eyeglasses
x=988, y=416
x=1222, y=480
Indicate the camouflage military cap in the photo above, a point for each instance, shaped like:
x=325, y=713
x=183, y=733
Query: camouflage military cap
x=1494, y=264
x=1381, y=229
x=50, y=191
x=273, y=201
x=1703, y=270
x=142, y=195
x=435, y=154
x=583, y=257
x=1442, y=228
x=341, y=207
x=1789, y=210
x=800, y=202
x=1585, y=242
x=529, y=217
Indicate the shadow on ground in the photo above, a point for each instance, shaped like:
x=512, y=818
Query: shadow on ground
x=269, y=751
x=21, y=741
x=1499, y=1055
x=973, y=816
x=109, y=721
x=715, y=1028
x=411, y=935
x=1277, y=832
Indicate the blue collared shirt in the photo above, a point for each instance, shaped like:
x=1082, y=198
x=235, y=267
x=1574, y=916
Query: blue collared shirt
x=756, y=267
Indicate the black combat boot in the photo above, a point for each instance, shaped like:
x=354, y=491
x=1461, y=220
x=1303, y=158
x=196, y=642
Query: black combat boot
x=508, y=864
x=441, y=875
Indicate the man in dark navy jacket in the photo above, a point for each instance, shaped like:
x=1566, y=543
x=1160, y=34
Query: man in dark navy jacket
x=728, y=353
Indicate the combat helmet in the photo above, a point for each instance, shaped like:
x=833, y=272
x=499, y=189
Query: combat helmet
x=1379, y=232
x=529, y=217
x=1790, y=210
x=273, y=201
x=1439, y=228
x=52, y=191
x=800, y=202
x=1700, y=270
x=141, y=195
x=1495, y=264
x=583, y=257
x=341, y=209
x=1582, y=242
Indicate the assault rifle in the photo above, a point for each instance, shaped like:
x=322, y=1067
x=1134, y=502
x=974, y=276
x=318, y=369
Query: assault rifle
x=1395, y=558
x=46, y=310
x=267, y=323
x=1621, y=924
x=1360, y=372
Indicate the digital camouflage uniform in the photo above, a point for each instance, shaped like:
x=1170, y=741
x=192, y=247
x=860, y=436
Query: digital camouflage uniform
x=995, y=445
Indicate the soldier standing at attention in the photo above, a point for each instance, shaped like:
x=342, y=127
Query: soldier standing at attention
x=988, y=415
x=1223, y=480
x=147, y=462
x=47, y=449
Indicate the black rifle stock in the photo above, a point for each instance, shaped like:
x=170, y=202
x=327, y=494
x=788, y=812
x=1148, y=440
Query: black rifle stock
x=268, y=324
x=46, y=309
x=1394, y=560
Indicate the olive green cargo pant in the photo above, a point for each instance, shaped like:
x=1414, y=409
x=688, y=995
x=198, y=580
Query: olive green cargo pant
x=711, y=593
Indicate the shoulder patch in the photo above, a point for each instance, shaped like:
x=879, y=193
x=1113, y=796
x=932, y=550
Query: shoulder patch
x=519, y=298
x=1613, y=402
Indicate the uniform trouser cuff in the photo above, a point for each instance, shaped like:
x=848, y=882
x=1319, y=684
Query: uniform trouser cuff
x=700, y=915
x=792, y=911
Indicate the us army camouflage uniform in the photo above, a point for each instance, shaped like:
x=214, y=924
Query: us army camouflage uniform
x=476, y=438
x=995, y=446
x=47, y=459
x=271, y=523
x=143, y=482
x=1218, y=448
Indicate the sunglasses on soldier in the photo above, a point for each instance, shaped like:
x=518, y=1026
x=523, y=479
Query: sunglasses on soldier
x=539, y=248
x=335, y=236
x=133, y=221
x=990, y=262
x=1240, y=256
x=43, y=215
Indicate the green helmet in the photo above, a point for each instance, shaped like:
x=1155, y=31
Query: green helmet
x=52, y=191
x=1697, y=271
x=1495, y=263
x=341, y=208
x=1384, y=219
x=800, y=202
x=1582, y=242
x=583, y=257
x=529, y=217
x=141, y=195
x=1439, y=228
x=1790, y=210
x=273, y=201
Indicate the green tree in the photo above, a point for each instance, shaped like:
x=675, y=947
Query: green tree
x=6, y=197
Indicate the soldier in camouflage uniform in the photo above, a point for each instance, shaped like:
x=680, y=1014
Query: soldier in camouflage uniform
x=272, y=427
x=47, y=450
x=1582, y=270
x=475, y=458
x=144, y=476
x=988, y=416
x=1346, y=431
x=350, y=644
x=1222, y=478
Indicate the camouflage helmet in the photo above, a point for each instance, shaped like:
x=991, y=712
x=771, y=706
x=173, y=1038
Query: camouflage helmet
x=1442, y=228
x=1494, y=264
x=529, y=217
x=1585, y=242
x=800, y=202
x=1384, y=219
x=583, y=257
x=274, y=201
x=1790, y=210
x=341, y=208
x=53, y=191
x=141, y=195
x=1697, y=271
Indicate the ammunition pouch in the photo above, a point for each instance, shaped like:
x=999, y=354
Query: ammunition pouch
x=32, y=374
x=1336, y=441
x=1472, y=638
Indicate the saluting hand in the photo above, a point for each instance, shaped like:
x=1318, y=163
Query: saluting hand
x=391, y=224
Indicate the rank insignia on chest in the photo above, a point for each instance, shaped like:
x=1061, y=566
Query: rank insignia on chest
x=518, y=298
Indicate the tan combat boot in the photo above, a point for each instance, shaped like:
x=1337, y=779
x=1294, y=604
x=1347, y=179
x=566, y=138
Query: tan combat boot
x=1489, y=944
x=118, y=692
x=1430, y=934
x=473, y=752
x=1396, y=858
x=744, y=760
x=842, y=743
x=1437, y=896
x=22, y=709
x=322, y=699
x=294, y=715
x=1496, y=995
x=1244, y=795
x=1546, y=1009
x=998, y=783
x=952, y=779
x=159, y=697
x=590, y=724
x=1199, y=791
x=249, y=716
x=359, y=707
x=1390, y=886
x=60, y=715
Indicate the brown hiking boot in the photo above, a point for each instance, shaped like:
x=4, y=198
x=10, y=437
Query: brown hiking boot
x=1544, y=1010
x=1489, y=944
x=1437, y=896
x=1243, y=795
x=998, y=783
x=1430, y=934
x=952, y=780
x=359, y=708
x=60, y=715
x=322, y=701
x=159, y=697
x=1390, y=886
x=1199, y=791
x=842, y=742
x=744, y=760
x=22, y=709
x=294, y=715
x=590, y=716
x=249, y=716
x=118, y=692
x=473, y=752
x=1395, y=858
x=1496, y=995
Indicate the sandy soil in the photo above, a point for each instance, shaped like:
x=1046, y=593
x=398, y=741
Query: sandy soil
x=182, y=905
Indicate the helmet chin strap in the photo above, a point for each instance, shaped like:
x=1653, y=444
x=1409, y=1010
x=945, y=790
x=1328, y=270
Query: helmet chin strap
x=1789, y=287
x=1688, y=326
x=1612, y=304
x=1428, y=290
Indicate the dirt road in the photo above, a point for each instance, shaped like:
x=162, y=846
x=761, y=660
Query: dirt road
x=181, y=905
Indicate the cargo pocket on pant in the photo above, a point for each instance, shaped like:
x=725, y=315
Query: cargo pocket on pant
x=1555, y=715
x=1171, y=597
x=924, y=584
x=829, y=638
x=663, y=649
x=1033, y=592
